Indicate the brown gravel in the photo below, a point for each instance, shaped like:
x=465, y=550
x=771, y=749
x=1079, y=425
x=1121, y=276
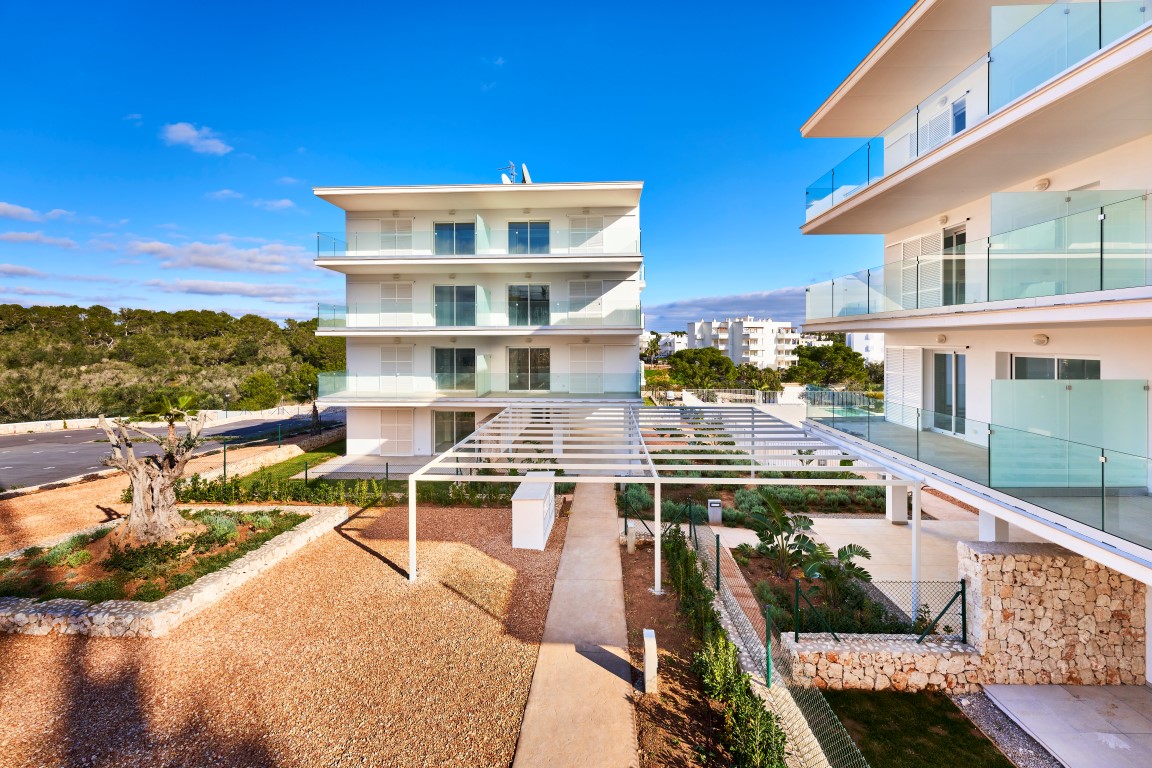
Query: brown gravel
x=329, y=659
x=38, y=517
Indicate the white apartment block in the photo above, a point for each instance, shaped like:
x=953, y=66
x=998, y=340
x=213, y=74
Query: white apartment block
x=464, y=299
x=1009, y=177
x=870, y=346
x=762, y=343
x=671, y=343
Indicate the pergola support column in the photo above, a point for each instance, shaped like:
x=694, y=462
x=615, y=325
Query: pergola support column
x=411, y=529
x=915, y=549
x=657, y=586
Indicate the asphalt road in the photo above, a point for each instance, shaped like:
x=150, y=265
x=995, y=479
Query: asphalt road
x=47, y=457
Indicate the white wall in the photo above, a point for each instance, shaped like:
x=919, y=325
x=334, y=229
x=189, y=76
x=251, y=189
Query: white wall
x=364, y=428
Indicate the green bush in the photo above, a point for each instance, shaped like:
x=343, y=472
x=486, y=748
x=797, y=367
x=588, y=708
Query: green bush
x=835, y=500
x=79, y=558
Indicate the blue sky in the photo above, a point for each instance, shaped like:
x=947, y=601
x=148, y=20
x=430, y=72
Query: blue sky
x=162, y=155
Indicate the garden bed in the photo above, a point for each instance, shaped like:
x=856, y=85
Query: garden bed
x=85, y=567
x=167, y=583
x=679, y=726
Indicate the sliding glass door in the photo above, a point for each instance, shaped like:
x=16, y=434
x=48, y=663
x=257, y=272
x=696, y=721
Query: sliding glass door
x=948, y=392
x=529, y=369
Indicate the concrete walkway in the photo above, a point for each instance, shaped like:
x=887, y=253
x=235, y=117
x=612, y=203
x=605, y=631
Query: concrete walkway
x=579, y=712
x=1083, y=726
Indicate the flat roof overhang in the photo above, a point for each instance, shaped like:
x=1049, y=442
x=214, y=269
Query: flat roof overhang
x=933, y=42
x=418, y=265
x=603, y=194
x=473, y=331
x=1092, y=108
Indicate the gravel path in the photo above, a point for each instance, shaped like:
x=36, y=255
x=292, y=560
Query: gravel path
x=1018, y=746
x=39, y=517
x=329, y=659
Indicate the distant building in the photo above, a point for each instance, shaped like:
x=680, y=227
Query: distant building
x=671, y=343
x=869, y=345
x=762, y=343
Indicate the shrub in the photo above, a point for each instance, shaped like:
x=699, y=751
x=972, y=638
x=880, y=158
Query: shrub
x=78, y=558
x=148, y=592
x=836, y=499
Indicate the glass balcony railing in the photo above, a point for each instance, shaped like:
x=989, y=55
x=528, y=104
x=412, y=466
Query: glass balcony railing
x=1101, y=248
x=1100, y=487
x=620, y=237
x=1031, y=45
x=344, y=385
x=393, y=314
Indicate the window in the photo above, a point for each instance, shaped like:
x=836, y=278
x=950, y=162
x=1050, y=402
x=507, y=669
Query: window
x=455, y=369
x=528, y=237
x=455, y=304
x=529, y=304
x=455, y=238
x=451, y=427
x=1054, y=368
x=959, y=115
x=529, y=369
x=396, y=235
x=395, y=304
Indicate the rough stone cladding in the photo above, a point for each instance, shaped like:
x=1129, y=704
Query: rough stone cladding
x=1039, y=613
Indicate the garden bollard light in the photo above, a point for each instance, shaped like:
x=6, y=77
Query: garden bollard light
x=630, y=537
x=651, y=662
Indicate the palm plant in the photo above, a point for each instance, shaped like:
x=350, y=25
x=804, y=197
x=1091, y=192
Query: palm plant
x=836, y=573
x=784, y=538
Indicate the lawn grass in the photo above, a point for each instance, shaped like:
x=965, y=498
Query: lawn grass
x=913, y=730
x=295, y=465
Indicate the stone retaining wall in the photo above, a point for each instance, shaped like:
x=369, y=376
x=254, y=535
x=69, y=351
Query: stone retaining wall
x=1042, y=614
x=872, y=663
x=130, y=618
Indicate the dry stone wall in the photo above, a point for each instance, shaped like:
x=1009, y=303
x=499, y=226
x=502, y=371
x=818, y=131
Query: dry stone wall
x=1039, y=613
x=870, y=663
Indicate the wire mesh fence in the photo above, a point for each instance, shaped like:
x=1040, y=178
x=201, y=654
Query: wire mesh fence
x=816, y=737
x=880, y=608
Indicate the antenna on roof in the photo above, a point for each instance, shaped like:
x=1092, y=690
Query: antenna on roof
x=526, y=178
x=511, y=172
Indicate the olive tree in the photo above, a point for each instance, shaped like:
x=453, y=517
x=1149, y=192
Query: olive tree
x=153, y=517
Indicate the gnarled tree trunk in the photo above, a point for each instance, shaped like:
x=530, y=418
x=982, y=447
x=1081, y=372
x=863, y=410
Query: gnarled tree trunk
x=153, y=517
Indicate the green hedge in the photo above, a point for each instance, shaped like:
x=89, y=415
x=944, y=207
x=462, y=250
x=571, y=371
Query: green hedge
x=751, y=733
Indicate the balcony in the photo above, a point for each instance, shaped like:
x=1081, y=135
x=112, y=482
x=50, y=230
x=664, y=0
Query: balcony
x=1096, y=486
x=1033, y=45
x=1099, y=248
x=393, y=314
x=342, y=386
x=621, y=237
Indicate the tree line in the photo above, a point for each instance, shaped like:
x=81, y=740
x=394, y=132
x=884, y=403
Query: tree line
x=73, y=362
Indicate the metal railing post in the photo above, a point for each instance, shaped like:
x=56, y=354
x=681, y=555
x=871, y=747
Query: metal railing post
x=717, y=562
x=767, y=649
x=796, y=612
x=305, y=473
x=279, y=444
x=225, y=462
x=963, y=612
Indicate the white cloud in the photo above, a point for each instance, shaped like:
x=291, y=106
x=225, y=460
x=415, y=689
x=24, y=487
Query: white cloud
x=16, y=290
x=273, y=257
x=282, y=204
x=12, y=211
x=16, y=270
x=203, y=140
x=224, y=194
x=783, y=304
x=287, y=180
x=135, y=118
x=281, y=294
x=37, y=237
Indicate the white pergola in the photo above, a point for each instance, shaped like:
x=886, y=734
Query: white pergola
x=629, y=443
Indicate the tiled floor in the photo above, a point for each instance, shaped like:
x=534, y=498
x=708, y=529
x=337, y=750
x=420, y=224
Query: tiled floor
x=1084, y=726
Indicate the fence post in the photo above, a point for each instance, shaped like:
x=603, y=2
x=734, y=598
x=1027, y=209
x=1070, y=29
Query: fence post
x=305, y=473
x=717, y=563
x=385, y=474
x=796, y=612
x=225, y=462
x=767, y=649
x=279, y=444
x=963, y=612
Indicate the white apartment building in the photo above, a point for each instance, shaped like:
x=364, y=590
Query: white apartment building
x=1010, y=179
x=671, y=343
x=464, y=299
x=762, y=343
x=870, y=346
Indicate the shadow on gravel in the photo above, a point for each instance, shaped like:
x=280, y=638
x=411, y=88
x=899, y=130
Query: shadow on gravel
x=361, y=517
x=105, y=718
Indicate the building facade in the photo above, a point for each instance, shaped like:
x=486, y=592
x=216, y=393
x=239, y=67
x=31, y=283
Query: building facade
x=1010, y=179
x=464, y=299
x=870, y=346
x=671, y=343
x=762, y=343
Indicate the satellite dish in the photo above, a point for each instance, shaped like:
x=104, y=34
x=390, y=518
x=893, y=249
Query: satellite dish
x=504, y=179
x=524, y=173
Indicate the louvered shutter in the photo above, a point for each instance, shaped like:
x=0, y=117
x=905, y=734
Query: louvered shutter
x=902, y=385
x=396, y=235
x=931, y=273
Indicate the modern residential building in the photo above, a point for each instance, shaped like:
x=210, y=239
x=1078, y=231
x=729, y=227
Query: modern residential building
x=762, y=343
x=671, y=343
x=464, y=299
x=1010, y=179
x=870, y=346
